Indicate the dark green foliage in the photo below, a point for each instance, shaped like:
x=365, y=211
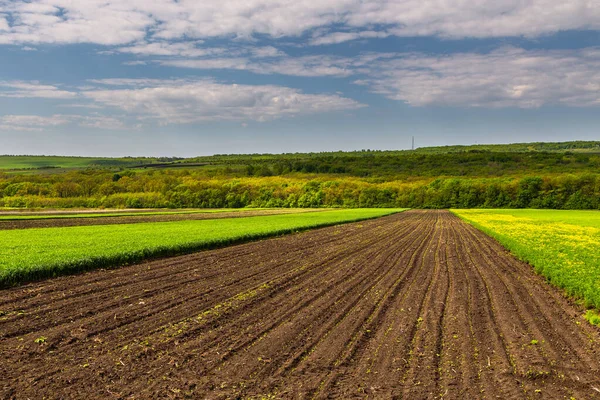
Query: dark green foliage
x=531, y=175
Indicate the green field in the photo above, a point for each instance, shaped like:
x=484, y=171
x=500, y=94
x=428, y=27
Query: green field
x=31, y=254
x=41, y=162
x=563, y=246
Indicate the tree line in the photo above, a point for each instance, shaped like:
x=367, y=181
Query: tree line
x=194, y=188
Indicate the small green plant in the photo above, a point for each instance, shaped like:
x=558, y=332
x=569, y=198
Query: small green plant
x=536, y=374
x=592, y=317
x=533, y=342
x=41, y=340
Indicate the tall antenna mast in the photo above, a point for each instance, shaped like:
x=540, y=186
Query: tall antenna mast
x=413, y=142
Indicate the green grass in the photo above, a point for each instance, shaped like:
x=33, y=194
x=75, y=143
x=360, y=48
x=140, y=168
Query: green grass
x=592, y=317
x=28, y=162
x=563, y=246
x=31, y=254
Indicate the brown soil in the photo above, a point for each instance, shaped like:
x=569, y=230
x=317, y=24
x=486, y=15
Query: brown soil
x=65, y=211
x=418, y=305
x=134, y=219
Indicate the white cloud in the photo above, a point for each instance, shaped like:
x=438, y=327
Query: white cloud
x=83, y=105
x=209, y=63
x=194, y=49
x=308, y=66
x=135, y=63
x=340, y=37
x=33, y=89
x=3, y=24
x=266, y=52
x=184, y=49
x=260, y=60
x=185, y=101
x=31, y=123
x=99, y=122
x=117, y=22
x=66, y=21
x=281, y=63
x=507, y=77
x=256, y=59
x=477, y=18
x=36, y=123
x=135, y=82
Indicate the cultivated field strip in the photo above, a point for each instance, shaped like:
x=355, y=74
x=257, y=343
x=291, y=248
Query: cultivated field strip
x=414, y=305
x=99, y=219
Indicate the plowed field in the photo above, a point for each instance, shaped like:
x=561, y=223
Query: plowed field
x=415, y=305
x=134, y=219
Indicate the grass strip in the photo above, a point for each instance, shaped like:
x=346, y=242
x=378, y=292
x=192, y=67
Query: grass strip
x=32, y=254
x=563, y=246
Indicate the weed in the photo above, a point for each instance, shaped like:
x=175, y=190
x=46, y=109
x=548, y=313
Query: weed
x=534, y=374
x=592, y=317
x=41, y=340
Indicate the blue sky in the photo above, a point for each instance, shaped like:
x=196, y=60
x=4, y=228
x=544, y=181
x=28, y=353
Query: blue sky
x=186, y=78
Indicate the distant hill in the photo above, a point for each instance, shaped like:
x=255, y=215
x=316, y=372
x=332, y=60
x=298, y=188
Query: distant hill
x=473, y=160
x=555, y=147
x=24, y=162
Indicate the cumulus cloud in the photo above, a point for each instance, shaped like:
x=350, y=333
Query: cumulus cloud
x=477, y=18
x=507, y=77
x=65, y=21
x=116, y=22
x=186, y=101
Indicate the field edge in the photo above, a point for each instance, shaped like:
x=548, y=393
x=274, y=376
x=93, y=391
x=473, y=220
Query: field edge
x=20, y=277
x=589, y=312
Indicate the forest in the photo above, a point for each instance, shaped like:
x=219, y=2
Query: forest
x=553, y=177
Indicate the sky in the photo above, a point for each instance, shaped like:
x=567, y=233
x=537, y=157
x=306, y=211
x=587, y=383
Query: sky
x=187, y=77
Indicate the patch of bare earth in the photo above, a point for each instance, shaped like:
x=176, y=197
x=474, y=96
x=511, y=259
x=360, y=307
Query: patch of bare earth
x=418, y=305
x=135, y=219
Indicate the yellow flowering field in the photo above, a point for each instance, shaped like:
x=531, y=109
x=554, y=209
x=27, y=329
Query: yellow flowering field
x=563, y=246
